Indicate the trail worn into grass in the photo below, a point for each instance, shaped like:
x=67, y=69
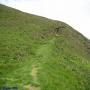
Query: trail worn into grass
x=34, y=73
x=44, y=50
x=42, y=54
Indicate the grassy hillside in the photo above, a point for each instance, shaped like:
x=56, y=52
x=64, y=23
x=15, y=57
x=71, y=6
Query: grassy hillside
x=37, y=53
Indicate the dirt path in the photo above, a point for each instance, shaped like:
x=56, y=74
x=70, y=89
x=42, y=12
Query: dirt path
x=34, y=73
x=42, y=53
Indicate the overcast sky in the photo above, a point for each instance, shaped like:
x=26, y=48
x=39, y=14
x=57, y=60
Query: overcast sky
x=74, y=12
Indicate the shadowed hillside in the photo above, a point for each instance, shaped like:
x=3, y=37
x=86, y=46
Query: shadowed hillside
x=37, y=53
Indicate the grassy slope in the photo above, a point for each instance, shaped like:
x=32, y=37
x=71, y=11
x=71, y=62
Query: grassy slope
x=35, y=56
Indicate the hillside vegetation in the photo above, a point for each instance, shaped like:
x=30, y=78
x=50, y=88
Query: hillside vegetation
x=37, y=53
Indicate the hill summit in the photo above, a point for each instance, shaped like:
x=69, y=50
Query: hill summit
x=37, y=53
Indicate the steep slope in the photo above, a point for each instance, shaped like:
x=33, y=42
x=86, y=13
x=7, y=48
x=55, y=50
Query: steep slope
x=37, y=53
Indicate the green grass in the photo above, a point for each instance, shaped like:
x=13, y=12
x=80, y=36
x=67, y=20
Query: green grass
x=35, y=55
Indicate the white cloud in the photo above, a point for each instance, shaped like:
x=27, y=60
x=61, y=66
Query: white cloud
x=74, y=12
